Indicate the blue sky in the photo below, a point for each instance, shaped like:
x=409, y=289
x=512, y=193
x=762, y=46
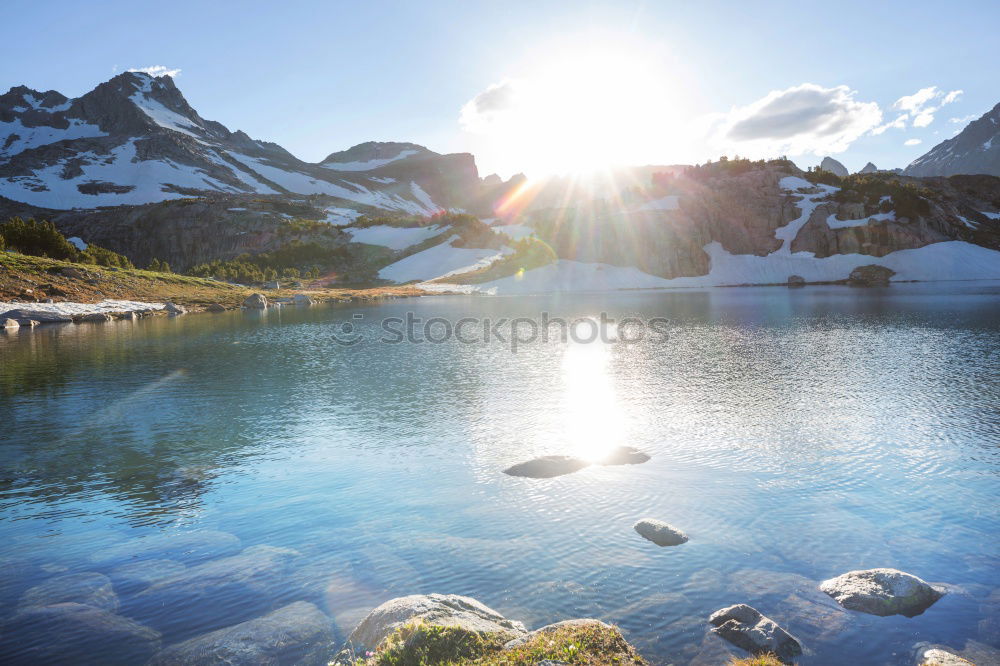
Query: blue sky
x=693, y=79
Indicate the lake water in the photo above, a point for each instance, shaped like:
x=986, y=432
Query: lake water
x=795, y=435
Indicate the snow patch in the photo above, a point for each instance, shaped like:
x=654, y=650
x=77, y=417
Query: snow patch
x=394, y=238
x=834, y=223
x=77, y=242
x=33, y=137
x=367, y=166
x=514, y=231
x=69, y=309
x=440, y=261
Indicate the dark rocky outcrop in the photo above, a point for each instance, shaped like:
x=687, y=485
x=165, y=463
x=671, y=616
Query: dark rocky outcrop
x=745, y=627
x=975, y=150
x=871, y=275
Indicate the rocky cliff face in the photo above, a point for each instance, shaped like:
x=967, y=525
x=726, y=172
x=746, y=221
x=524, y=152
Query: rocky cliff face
x=975, y=150
x=834, y=167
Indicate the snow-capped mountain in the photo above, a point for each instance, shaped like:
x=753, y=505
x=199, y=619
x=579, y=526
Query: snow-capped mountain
x=975, y=150
x=136, y=140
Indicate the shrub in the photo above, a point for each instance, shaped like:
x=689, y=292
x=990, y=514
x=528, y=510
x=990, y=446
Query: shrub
x=39, y=239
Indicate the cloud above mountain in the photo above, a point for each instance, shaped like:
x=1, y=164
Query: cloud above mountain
x=490, y=106
x=156, y=70
x=919, y=108
x=808, y=118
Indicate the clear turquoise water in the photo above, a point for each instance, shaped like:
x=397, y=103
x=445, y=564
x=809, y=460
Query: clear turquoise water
x=794, y=434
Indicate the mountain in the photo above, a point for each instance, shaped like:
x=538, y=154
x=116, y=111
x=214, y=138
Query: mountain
x=834, y=167
x=975, y=150
x=135, y=140
x=869, y=168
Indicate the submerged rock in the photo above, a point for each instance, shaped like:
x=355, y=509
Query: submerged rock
x=746, y=628
x=549, y=628
x=660, y=532
x=871, y=275
x=184, y=546
x=219, y=592
x=258, y=301
x=137, y=576
x=70, y=633
x=296, y=634
x=89, y=588
x=547, y=467
x=624, y=455
x=881, y=592
x=449, y=610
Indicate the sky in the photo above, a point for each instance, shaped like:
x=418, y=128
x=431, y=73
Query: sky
x=543, y=86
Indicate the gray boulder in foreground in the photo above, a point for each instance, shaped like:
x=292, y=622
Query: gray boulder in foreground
x=547, y=467
x=746, y=628
x=450, y=610
x=258, y=301
x=89, y=588
x=297, y=634
x=71, y=633
x=881, y=592
x=549, y=628
x=935, y=656
x=660, y=532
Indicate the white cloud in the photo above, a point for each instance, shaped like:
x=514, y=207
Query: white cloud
x=963, y=119
x=489, y=107
x=898, y=123
x=920, y=107
x=156, y=70
x=804, y=119
x=912, y=142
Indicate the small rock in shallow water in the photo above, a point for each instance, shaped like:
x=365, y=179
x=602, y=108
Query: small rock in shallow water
x=881, y=592
x=89, y=588
x=660, y=532
x=296, y=634
x=257, y=301
x=547, y=467
x=174, y=309
x=746, y=628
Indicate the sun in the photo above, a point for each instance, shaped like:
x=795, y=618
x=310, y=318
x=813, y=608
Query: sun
x=583, y=109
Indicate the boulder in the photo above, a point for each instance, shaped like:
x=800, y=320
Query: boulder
x=881, y=592
x=89, y=588
x=871, y=275
x=936, y=656
x=660, y=532
x=450, y=610
x=95, y=317
x=174, y=309
x=23, y=317
x=296, y=634
x=303, y=299
x=746, y=628
x=258, y=301
x=136, y=576
x=624, y=455
x=272, y=285
x=189, y=547
x=216, y=593
x=547, y=467
x=74, y=273
x=834, y=167
x=10, y=323
x=215, y=307
x=549, y=628
x=796, y=281
x=77, y=634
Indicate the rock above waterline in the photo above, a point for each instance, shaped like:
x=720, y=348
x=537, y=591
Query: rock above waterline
x=449, y=610
x=95, y=317
x=660, y=532
x=89, y=588
x=77, y=634
x=216, y=307
x=258, y=301
x=746, y=628
x=174, y=309
x=547, y=467
x=22, y=317
x=10, y=323
x=881, y=592
x=796, y=281
x=303, y=299
x=934, y=656
x=296, y=634
x=624, y=455
x=549, y=628
x=871, y=275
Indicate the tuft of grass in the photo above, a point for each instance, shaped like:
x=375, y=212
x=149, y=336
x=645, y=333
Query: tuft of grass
x=425, y=645
x=766, y=659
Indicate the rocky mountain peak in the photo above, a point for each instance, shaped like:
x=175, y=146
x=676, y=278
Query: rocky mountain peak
x=373, y=154
x=975, y=150
x=834, y=167
x=869, y=168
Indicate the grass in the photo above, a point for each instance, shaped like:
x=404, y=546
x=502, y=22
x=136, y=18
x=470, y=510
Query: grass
x=757, y=660
x=418, y=644
x=31, y=278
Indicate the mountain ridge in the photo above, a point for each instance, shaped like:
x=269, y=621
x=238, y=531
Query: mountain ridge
x=974, y=150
